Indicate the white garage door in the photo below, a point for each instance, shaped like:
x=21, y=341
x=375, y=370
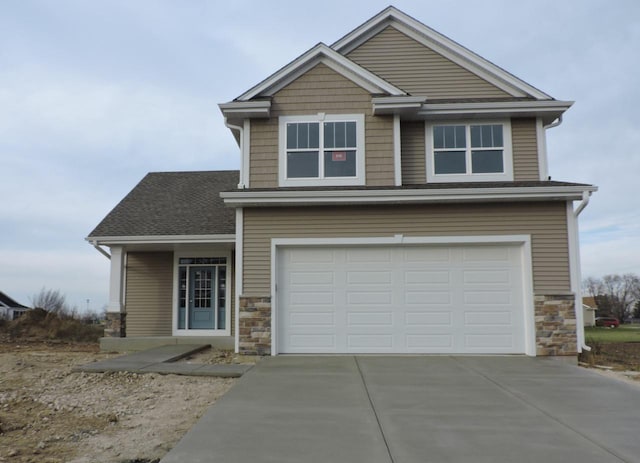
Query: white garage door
x=422, y=299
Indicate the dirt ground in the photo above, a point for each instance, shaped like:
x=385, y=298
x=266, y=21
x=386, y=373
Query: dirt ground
x=50, y=414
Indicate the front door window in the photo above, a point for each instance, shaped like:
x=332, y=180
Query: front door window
x=202, y=293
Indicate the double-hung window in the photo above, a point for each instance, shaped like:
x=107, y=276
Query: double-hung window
x=471, y=152
x=321, y=150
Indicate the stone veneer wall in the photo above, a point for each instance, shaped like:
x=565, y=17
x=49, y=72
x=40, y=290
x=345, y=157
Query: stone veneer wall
x=115, y=325
x=255, y=325
x=556, y=329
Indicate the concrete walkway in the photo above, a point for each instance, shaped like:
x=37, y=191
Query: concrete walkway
x=418, y=409
x=162, y=360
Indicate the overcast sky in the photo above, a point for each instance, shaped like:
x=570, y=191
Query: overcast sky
x=95, y=94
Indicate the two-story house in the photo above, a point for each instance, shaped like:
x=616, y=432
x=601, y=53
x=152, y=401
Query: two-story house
x=393, y=197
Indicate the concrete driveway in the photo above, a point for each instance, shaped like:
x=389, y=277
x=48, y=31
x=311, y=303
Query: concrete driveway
x=418, y=409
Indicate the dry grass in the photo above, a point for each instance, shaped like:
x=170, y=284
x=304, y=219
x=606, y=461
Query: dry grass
x=42, y=325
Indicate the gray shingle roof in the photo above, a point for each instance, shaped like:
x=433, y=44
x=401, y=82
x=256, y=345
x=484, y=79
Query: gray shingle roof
x=173, y=203
x=9, y=302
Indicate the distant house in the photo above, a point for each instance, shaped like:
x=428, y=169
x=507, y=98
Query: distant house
x=9, y=308
x=589, y=308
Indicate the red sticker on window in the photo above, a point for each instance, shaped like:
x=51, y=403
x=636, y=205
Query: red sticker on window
x=339, y=156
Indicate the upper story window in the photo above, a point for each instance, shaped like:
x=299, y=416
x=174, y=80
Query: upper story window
x=472, y=152
x=321, y=150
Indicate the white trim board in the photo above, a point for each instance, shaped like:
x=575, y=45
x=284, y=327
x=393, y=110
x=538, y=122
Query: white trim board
x=399, y=240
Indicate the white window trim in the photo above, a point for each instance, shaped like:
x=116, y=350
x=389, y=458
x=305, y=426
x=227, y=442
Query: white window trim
x=507, y=156
x=176, y=264
x=359, y=179
x=524, y=241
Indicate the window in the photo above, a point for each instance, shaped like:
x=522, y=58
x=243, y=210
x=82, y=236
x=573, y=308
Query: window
x=469, y=152
x=322, y=150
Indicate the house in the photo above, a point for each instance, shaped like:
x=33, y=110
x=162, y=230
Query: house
x=9, y=308
x=393, y=197
x=589, y=308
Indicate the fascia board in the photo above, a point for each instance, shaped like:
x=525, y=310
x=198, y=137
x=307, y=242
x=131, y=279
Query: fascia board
x=246, y=109
x=507, y=108
x=442, y=45
x=397, y=105
x=161, y=239
x=405, y=196
x=309, y=59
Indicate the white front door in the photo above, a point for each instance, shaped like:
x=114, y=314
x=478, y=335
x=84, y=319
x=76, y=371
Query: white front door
x=400, y=299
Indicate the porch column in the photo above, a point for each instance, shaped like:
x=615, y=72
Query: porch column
x=115, y=322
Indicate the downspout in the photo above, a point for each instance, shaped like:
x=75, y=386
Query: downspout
x=583, y=204
x=100, y=250
x=240, y=130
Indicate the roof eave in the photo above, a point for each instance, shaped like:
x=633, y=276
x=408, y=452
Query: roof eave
x=159, y=239
x=404, y=196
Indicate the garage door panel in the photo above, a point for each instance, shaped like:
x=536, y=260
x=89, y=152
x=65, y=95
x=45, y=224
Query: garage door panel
x=369, y=255
x=485, y=254
x=490, y=343
x=311, y=278
x=484, y=318
x=367, y=319
x=487, y=297
x=312, y=319
x=370, y=341
x=423, y=254
x=431, y=299
x=436, y=343
x=369, y=298
x=427, y=278
x=420, y=319
x=369, y=277
x=484, y=276
x=311, y=298
x=313, y=342
x=426, y=298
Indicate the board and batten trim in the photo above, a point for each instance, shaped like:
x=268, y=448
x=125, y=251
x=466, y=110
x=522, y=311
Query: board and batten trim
x=524, y=241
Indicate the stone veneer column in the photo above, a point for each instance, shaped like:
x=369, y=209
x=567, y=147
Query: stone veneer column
x=255, y=325
x=555, y=324
x=115, y=325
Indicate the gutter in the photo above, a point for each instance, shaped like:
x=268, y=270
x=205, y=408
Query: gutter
x=240, y=130
x=586, y=195
x=555, y=123
x=100, y=250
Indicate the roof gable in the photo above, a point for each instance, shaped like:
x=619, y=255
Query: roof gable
x=419, y=70
x=325, y=55
x=440, y=44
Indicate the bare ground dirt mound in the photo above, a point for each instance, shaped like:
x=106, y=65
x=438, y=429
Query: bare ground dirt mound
x=50, y=414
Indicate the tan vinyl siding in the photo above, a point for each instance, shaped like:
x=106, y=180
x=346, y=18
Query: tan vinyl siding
x=419, y=70
x=545, y=221
x=321, y=89
x=413, y=157
x=149, y=293
x=525, y=149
